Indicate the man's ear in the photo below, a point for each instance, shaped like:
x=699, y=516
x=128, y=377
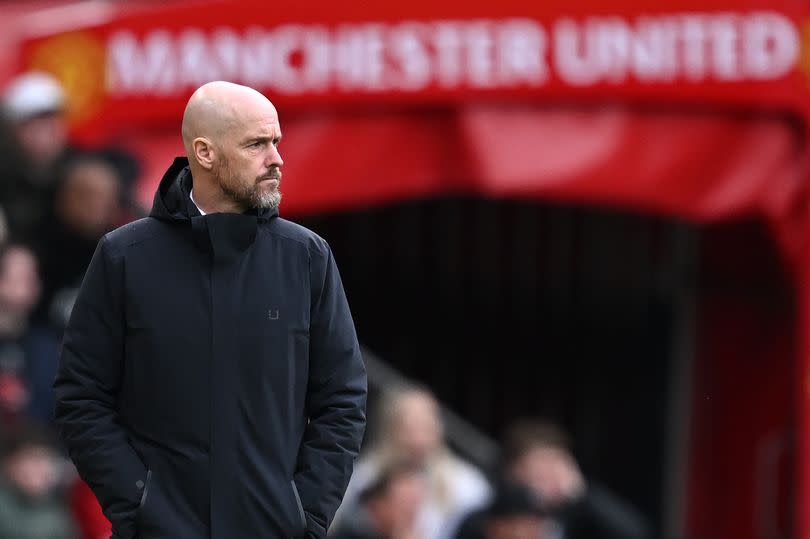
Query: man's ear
x=204, y=152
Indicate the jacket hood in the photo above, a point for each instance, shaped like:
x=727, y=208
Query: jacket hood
x=172, y=200
x=224, y=235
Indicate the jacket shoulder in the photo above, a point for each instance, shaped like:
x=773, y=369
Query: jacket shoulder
x=300, y=234
x=129, y=234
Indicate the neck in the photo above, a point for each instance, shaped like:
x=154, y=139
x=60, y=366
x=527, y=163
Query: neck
x=209, y=196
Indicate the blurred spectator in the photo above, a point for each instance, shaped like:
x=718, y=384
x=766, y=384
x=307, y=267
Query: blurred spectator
x=388, y=507
x=538, y=455
x=129, y=171
x=409, y=429
x=86, y=205
x=515, y=513
x=28, y=354
x=33, y=104
x=30, y=505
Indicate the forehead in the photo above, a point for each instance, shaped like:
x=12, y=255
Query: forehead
x=258, y=120
x=87, y=178
x=89, y=171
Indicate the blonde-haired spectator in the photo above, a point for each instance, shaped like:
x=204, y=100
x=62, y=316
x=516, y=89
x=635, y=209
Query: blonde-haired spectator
x=409, y=429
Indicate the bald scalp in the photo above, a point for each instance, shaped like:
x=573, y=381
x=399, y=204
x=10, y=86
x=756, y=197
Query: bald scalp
x=215, y=108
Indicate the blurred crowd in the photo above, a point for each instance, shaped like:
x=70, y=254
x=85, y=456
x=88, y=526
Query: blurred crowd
x=409, y=485
x=56, y=201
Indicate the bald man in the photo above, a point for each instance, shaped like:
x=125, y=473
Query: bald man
x=210, y=383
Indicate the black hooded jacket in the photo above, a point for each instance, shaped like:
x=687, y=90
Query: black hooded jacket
x=210, y=383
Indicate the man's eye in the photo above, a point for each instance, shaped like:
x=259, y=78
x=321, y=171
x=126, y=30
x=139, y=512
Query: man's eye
x=254, y=144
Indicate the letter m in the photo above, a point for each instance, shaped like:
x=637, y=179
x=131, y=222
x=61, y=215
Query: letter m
x=141, y=67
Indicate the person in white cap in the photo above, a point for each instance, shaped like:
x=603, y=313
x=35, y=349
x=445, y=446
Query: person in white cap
x=33, y=105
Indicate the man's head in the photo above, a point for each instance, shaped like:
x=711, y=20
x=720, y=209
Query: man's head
x=410, y=426
x=29, y=461
x=538, y=455
x=394, y=498
x=34, y=103
x=231, y=135
x=87, y=198
x=19, y=282
x=515, y=513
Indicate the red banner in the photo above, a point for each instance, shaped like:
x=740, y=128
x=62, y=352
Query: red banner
x=139, y=67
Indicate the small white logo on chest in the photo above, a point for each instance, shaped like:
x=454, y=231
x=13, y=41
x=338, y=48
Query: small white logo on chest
x=272, y=314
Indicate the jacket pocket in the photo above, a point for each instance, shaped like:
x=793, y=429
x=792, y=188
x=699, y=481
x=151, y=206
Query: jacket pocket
x=146, y=486
x=148, y=523
x=301, y=514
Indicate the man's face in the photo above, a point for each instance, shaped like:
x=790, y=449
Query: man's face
x=248, y=167
x=19, y=281
x=32, y=470
x=418, y=429
x=43, y=138
x=88, y=201
x=551, y=472
x=396, y=510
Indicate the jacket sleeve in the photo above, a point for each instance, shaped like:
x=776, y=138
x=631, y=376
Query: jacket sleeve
x=601, y=514
x=87, y=383
x=336, y=399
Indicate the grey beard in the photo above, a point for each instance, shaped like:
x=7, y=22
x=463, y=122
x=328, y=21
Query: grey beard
x=269, y=200
x=252, y=198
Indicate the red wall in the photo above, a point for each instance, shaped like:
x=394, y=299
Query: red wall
x=743, y=421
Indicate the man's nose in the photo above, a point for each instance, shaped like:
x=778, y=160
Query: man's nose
x=274, y=158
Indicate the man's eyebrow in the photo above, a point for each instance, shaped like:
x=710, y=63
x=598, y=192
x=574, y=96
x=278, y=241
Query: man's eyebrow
x=261, y=138
x=256, y=138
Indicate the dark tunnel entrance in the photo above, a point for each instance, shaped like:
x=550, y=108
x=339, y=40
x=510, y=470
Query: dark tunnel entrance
x=512, y=309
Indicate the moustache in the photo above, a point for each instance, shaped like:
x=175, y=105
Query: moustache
x=274, y=174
